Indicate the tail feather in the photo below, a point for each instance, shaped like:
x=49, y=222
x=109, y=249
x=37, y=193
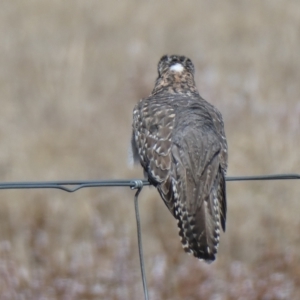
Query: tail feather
x=199, y=223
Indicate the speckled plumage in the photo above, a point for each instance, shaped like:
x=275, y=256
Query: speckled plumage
x=179, y=139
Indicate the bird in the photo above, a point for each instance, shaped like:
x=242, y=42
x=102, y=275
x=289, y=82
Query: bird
x=179, y=140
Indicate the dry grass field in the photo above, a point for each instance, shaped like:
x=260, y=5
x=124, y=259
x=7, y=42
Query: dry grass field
x=70, y=74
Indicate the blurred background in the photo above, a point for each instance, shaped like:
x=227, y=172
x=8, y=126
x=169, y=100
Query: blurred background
x=70, y=74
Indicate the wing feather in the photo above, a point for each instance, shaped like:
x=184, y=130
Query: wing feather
x=152, y=130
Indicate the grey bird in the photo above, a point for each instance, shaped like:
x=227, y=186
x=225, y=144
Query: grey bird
x=179, y=140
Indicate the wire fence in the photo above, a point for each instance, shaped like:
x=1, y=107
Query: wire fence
x=73, y=186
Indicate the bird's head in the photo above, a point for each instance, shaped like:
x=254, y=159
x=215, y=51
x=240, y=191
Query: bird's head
x=175, y=75
x=176, y=64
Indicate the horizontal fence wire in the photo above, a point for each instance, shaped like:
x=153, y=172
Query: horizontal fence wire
x=75, y=185
x=264, y=177
x=70, y=185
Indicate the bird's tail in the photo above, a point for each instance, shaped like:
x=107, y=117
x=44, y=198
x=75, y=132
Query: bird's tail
x=197, y=211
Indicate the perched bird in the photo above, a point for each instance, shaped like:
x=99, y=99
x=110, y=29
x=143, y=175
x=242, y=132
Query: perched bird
x=179, y=139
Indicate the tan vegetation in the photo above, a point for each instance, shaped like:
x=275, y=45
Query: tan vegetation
x=71, y=72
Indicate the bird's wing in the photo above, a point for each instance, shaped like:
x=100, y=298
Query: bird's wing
x=152, y=130
x=219, y=125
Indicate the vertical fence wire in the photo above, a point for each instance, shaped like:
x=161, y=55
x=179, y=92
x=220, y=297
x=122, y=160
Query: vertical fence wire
x=139, y=187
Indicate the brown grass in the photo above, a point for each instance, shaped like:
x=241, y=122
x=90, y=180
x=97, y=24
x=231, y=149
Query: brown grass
x=71, y=72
